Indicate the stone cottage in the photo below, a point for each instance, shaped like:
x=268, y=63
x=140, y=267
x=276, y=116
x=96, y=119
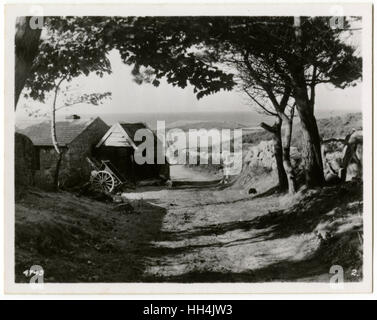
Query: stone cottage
x=76, y=139
x=119, y=145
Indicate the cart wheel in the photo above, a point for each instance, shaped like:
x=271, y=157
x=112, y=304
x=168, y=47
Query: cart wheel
x=104, y=181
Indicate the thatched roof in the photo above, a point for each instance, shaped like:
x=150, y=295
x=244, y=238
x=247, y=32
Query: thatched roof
x=66, y=131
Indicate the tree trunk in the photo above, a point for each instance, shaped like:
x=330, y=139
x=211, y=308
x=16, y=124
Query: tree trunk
x=311, y=143
x=53, y=123
x=278, y=151
x=283, y=181
x=53, y=137
x=26, y=49
x=57, y=170
x=286, y=143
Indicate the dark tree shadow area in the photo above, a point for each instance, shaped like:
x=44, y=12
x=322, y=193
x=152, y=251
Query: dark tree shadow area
x=77, y=239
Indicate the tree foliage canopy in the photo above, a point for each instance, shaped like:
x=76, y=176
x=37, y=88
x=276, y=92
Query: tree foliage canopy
x=187, y=50
x=74, y=46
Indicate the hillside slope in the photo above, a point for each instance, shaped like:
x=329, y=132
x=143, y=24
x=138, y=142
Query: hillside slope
x=333, y=127
x=77, y=239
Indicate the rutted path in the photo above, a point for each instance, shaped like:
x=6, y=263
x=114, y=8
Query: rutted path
x=190, y=234
x=210, y=234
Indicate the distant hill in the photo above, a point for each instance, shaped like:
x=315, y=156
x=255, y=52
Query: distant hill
x=339, y=126
x=335, y=127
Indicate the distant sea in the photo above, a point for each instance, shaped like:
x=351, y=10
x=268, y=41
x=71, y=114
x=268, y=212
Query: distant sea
x=235, y=119
x=177, y=119
x=242, y=118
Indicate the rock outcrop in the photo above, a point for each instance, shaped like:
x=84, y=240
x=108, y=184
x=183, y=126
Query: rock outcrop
x=259, y=169
x=263, y=155
x=342, y=158
x=259, y=163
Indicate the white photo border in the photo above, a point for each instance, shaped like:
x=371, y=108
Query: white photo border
x=257, y=9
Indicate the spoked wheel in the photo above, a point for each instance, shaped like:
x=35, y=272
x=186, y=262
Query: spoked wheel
x=104, y=181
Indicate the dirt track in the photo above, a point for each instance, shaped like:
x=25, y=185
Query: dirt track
x=188, y=234
x=210, y=232
x=183, y=173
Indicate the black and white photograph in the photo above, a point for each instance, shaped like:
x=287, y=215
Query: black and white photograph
x=188, y=149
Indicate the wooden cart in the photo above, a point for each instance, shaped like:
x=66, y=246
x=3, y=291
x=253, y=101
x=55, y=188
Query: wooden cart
x=105, y=175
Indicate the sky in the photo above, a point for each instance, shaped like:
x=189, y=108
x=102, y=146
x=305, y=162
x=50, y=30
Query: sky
x=129, y=97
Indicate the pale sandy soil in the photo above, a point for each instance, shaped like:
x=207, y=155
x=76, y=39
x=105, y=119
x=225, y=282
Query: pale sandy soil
x=183, y=173
x=227, y=235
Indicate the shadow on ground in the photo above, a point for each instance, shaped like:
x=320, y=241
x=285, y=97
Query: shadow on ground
x=342, y=247
x=83, y=240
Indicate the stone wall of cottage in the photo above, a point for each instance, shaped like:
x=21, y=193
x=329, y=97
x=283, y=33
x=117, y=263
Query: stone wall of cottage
x=24, y=156
x=74, y=168
x=78, y=169
x=48, y=157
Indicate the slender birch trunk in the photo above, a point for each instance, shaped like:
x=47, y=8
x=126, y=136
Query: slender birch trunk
x=53, y=137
